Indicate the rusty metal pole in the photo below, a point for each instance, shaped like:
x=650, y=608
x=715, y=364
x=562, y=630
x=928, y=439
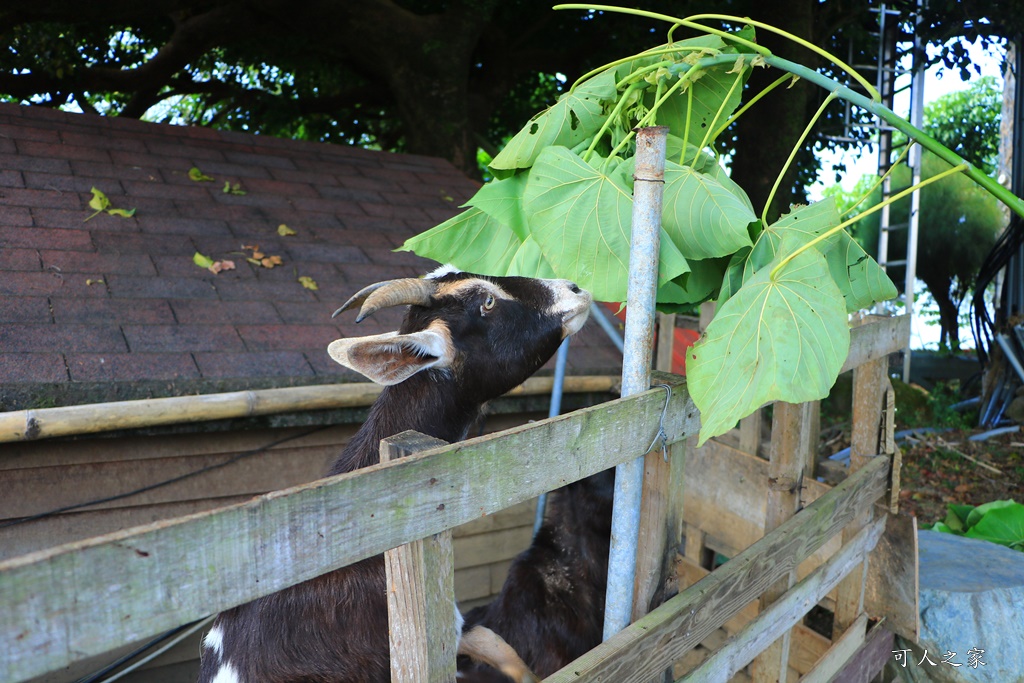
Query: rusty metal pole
x=641, y=295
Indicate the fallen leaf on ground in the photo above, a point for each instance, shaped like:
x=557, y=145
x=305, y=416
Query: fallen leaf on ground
x=308, y=282
x=101, y=203
x=90, y=282
x=198, y=176
x=284, y=231
x=218, y=266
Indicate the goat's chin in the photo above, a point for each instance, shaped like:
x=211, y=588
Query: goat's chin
x=574, y=323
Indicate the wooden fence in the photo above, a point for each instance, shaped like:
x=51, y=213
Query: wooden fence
x=81, y=599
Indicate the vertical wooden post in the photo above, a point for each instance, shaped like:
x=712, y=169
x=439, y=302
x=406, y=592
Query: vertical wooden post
x=661, y=503
x=750, y=433
x=870, y=381
x=420, y=592
x=791, y=445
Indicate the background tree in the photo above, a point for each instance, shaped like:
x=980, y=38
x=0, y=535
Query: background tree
x=959, y=221
x=435, y=77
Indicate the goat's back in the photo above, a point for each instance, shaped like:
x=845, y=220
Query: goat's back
x=551, y=606
x=331, y=628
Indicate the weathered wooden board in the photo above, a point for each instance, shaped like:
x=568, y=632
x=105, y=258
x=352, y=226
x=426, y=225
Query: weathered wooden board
x=422, y=632
x=806, y=646
x=870, y=659
x=892, y=584
x=876, y=337
x=642, y=650
x=790, y=464
x=837, y=657
x=89, y=597
x=768, y=627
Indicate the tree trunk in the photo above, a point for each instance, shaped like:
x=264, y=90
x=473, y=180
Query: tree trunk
x=767, y=133
x=949, y=313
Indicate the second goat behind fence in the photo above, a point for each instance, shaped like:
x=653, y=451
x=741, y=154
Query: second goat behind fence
x=465, y=340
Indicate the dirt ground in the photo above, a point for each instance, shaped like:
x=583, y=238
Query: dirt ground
x=941, y=465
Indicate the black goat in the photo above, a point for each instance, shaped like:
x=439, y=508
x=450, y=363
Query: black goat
x=465, y=340
x=551, y=607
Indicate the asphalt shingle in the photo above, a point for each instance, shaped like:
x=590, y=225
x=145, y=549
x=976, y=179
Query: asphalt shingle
x=118, y=302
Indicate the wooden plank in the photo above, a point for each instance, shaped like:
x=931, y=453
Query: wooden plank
x=782, y=614
x=21, y=539
x=726, y=498
x=661, y=527
x=648, y=646
x=787, y=469
x=140, y=448
x=666, y=342
x=869, y=383
x=876, y=337
x=62, y=604
x=164, y=480
x=870, y=659
x=806, y=646
x=750, y=432
x=421, y=591
x=892, y=583
x=27, y=425
x=837, y=657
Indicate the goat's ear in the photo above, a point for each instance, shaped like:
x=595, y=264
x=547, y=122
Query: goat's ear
x=392, y=358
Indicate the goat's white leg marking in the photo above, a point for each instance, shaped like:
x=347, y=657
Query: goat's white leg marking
x=214, y=640
x=226, y=674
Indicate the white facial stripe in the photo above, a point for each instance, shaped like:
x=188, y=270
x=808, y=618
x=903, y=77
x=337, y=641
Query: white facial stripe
x=454, y=288
x=441, y=271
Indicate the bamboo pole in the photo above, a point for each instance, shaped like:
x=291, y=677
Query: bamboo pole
x=28, y=425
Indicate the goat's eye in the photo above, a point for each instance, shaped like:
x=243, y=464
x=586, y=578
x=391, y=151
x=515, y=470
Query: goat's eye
x=488, y=303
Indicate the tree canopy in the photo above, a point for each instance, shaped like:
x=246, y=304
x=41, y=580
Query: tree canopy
x=435, y=77
x=959, y=220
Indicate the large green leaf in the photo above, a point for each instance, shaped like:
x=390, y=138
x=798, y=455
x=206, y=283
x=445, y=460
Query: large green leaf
x=580, y=218
x=703, y=218
x=471, y=241
x=576, y=116
x=858, y=276
x=1003, y=525
x=783, y=339
x=502, y=200
x=700, y=284
x=529, y=261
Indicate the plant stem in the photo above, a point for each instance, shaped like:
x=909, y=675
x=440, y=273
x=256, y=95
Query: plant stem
x=1016, y=204
x=881, y=180
x=608, y=120
x=754, y=100
x=709, y=134
x=792, y=154
x=799, y=41
x=750, y=45
x=849, y=221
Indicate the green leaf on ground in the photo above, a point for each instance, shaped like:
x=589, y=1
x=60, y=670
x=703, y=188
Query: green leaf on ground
x=202, y=260
x=198, y=176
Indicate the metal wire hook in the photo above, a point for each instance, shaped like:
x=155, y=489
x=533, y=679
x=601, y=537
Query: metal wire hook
x=661, y=435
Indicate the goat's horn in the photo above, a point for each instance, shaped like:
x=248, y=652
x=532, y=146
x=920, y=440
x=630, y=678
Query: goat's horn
x=390, y=293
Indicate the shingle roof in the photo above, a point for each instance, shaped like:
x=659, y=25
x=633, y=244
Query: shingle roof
x=114, y=308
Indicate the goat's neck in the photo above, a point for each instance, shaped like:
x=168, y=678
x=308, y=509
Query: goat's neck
x=427, y=403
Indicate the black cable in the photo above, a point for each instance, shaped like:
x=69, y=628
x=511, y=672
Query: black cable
x=1004, y=250
x=173, y=480
x=124, y=659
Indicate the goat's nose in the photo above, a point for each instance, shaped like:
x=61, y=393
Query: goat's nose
x=574, y=288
